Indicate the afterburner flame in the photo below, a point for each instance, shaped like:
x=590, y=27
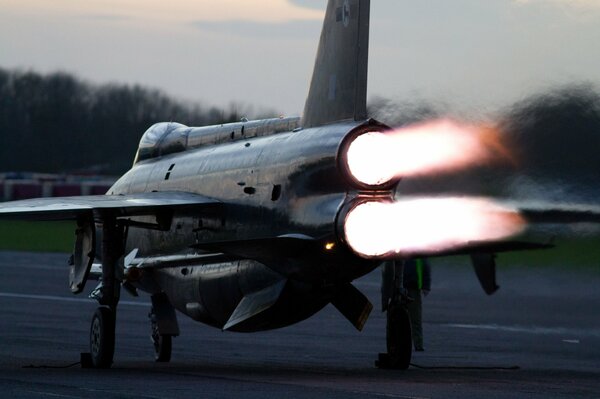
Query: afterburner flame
x=369, y=158
x=433, y=147
x=427, y=226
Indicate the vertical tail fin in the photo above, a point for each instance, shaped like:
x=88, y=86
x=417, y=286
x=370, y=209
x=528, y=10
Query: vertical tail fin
x=338, y=90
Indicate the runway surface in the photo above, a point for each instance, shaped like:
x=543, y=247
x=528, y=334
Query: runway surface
x=546, y=321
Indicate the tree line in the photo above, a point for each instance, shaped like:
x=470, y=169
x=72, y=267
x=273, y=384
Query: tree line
x=58, y=123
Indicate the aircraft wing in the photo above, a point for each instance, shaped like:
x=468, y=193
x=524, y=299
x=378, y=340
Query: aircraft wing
x=566, y=214
x=537, y=215
x=71, y=208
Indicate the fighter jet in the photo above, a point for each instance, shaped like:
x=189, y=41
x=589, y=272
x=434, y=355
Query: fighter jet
x=258, y=225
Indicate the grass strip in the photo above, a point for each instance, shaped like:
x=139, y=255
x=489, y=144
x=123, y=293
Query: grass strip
x=37, y=236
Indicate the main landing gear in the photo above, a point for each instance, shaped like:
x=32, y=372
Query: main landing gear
x=164, y=326
x=398, y=329
x=162, y=343
x=102, y=338
x=163, y=320
x=102, y=329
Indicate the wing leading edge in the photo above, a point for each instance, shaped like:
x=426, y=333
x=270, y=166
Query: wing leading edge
x=71, y=208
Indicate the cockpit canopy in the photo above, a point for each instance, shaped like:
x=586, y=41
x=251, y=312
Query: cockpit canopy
x=161, y=139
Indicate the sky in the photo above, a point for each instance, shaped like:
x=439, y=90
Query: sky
x=470, y=54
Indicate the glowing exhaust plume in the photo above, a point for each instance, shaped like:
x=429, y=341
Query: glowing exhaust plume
x=427, y=226
x=440, y=146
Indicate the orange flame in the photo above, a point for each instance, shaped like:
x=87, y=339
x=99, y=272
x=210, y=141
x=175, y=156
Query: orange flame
x=427, y=226
x=431, y=147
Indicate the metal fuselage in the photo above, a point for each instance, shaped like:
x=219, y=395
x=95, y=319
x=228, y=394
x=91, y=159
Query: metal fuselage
x=280, y=184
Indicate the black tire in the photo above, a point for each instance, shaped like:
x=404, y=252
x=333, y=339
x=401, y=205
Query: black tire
x=398, y=337
x=163, y=344
x=162, y=351
x=102, y=338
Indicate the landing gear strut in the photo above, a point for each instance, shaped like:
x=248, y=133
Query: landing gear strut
x=398, y=329
x=102, y=330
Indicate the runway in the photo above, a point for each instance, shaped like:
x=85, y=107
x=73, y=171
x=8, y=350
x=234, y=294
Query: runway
x=545, y=321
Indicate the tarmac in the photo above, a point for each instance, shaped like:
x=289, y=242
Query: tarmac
x=537, y=337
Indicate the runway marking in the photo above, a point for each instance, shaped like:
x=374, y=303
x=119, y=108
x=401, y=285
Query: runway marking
x=63, y=299
x=529, y=330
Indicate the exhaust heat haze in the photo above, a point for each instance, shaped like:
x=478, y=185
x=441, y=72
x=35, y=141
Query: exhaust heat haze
x=432, y=147
x=427, y=226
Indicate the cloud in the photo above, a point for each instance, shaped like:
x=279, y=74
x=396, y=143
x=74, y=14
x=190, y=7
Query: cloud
x=586, y=4
x=295, y=29
x=174, y=11
x=314, y=4
x=106, y=17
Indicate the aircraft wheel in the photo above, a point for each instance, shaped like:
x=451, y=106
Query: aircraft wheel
x=398, y=337
x=102, y=338
x=162, y=344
